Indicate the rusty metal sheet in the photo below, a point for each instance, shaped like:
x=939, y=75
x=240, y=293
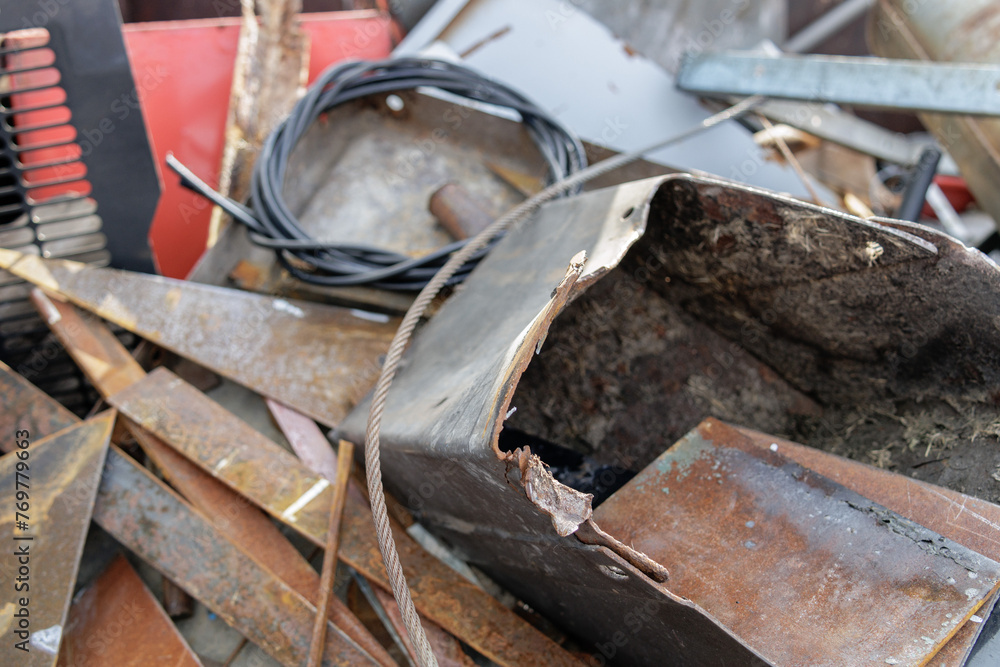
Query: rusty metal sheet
x=970, y=521
x=157, y=525
x=318, y=359
x=110, y=367
x=771, y=548
x=446, y=648
x=276, y=481
x=104, y=360
x=25, y=407
x=47, y=491
x=117, y=621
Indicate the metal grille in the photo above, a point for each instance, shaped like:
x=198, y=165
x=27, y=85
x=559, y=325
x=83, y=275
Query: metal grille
x=45, y=207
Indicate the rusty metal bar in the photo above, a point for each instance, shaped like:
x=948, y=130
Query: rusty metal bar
x=459, y=211
x=276, y=481
x=344, y=458
x=25, y=407
x=47, y=492
x=117, y=621
x=749, y=535
x=109, y=366
x=160, y=527
x=318, y=359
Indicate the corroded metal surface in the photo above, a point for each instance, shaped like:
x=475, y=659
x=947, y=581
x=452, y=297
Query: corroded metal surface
x=117, y=621
x=103, y=359
x=157, y=525
x=276, y=481
x=318, y=359
x=109, y=367
x=969, y=521
x=51, y=489
x=769, y=547
x=25, y=407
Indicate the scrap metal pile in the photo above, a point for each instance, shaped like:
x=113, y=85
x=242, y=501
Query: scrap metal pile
x=643, y=415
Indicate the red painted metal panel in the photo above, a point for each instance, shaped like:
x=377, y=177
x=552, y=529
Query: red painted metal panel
x=183, y=73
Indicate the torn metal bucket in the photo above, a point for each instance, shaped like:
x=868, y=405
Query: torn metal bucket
x=698, y=298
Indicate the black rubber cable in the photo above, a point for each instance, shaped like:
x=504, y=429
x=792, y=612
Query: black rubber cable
x=272, y=224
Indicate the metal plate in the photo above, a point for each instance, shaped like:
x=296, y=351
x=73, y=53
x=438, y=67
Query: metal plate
x=769, y=548
x=57, y=486
x=318, y=359
x=117, y=621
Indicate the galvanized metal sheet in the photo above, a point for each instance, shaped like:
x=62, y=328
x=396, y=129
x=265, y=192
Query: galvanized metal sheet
x=47, y=491
x=861, y=81
x=276, y=481
x=110, y=367
x=155, y=523
x=319, y=359
x=117, y=621
x=25, y=407
x=769, y=547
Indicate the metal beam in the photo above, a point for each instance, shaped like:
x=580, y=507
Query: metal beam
x=969, y=89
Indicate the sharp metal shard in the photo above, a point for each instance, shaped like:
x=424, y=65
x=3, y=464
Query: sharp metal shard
x=47, y=491
x=117, y=621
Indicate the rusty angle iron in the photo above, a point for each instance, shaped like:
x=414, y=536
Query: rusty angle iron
x=117, y=621
x=802, y=551
x=319, y=359
x=48, y=488
x=837, y=290
x=110, y=367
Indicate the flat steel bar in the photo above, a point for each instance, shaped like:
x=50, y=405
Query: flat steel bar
x=251, y=464
x=110, y=367
x=156, y=524
x=117, y=621
x=318, y=359
x=968, y=89
x=47, y=493
x=25, y=407
x=750, y=535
